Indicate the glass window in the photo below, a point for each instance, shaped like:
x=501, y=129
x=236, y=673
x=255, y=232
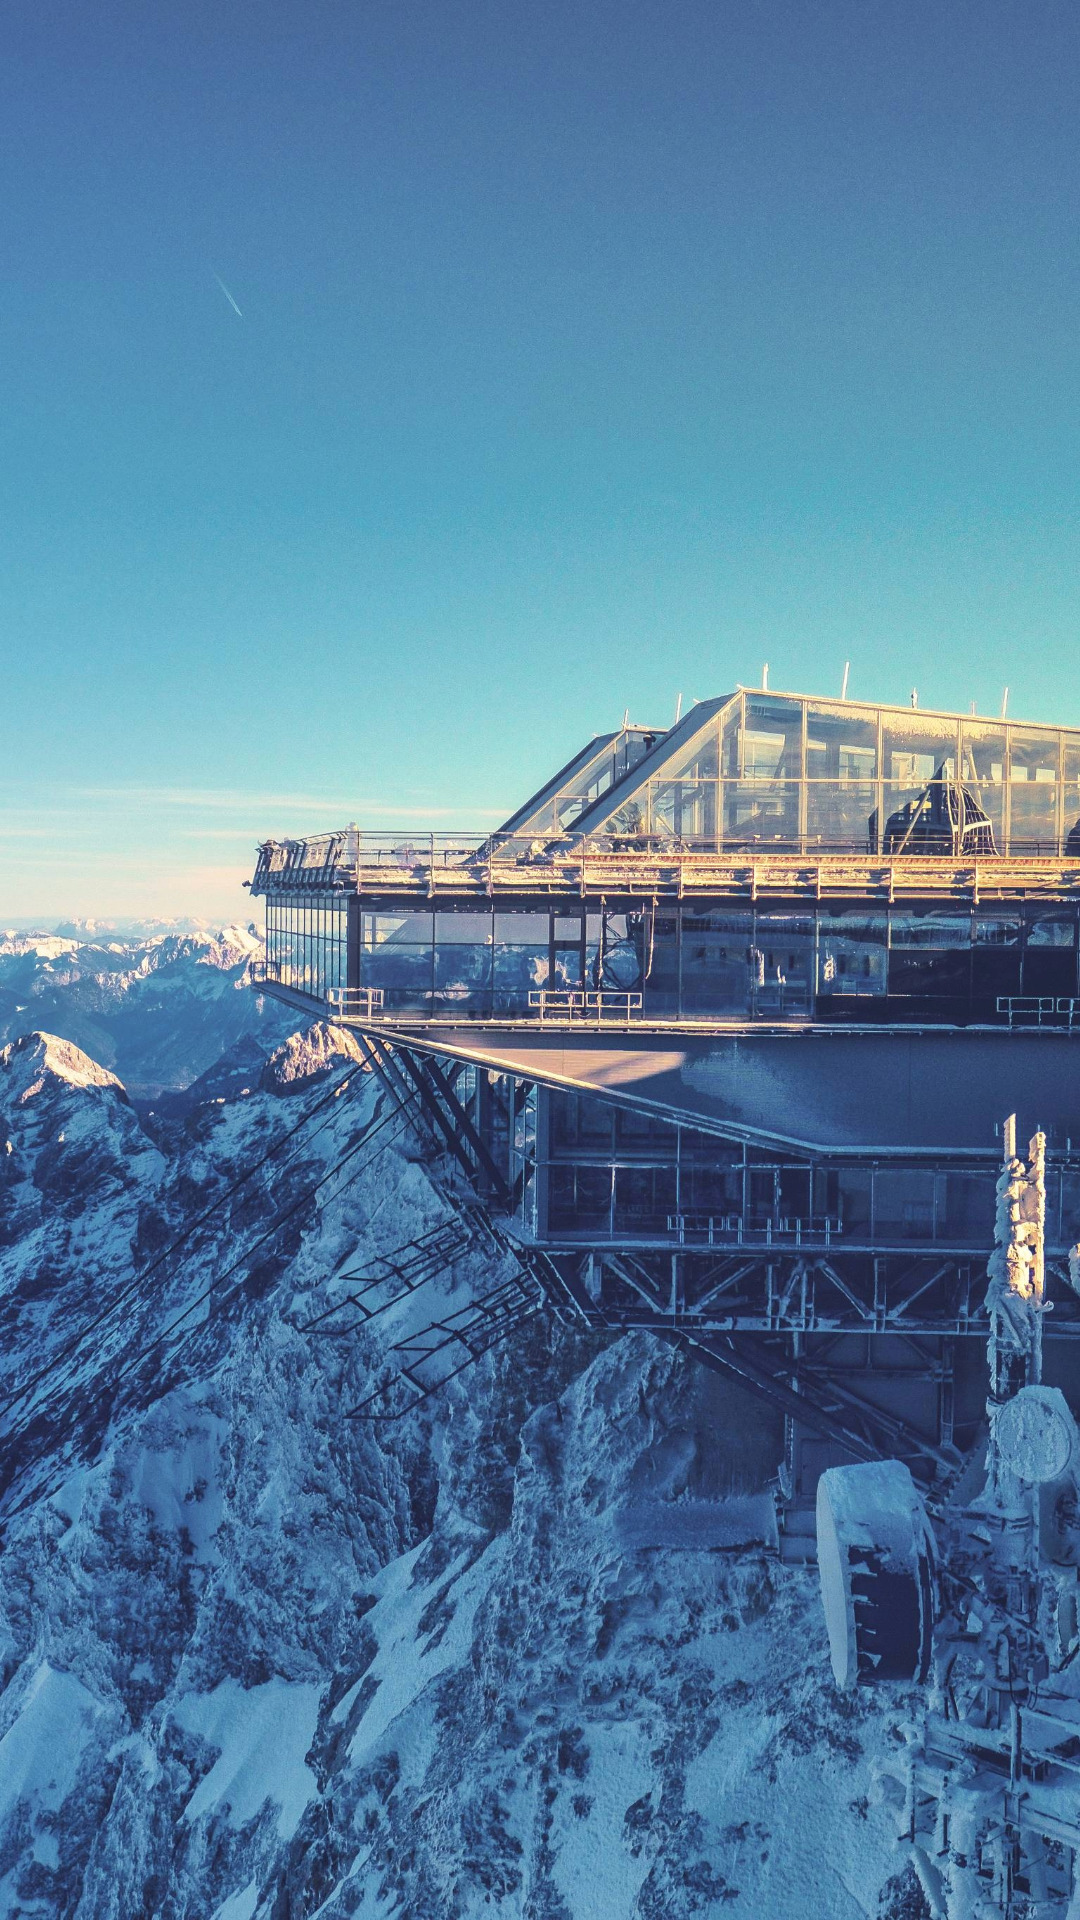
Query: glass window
x=521, y=958
x=967, y=1208
x=1070, y=1206
x=840, y=744
x=1033, y=783
x=983, y=754
x=904, y=1204
x=1033, y=819
x=930, y=928
x=1072, y=796
x=1033, y=755
x=772, y=739
x=761, y=812
x=915, y=749
x=997, y=929
x=730, y=735
x=851, y=954
x=684, y=809
x=840, y=814
x=1052, y=929
x=645, y=1197
x=716, y=950
x=399, y=929
x=698, y=759
x=853, y=1201
x=463, y=955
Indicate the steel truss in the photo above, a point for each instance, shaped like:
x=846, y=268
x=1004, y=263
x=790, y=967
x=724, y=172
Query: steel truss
x=779, y=1322
x=772, y=1292
x=414, y=1078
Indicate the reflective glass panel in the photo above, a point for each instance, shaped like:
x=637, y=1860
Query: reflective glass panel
x=915, y=749
x=1052, y=929
x=1032, y=817
x=761, y=811
x=851, y=954
x=996, y=929
x=684, y=809
x=930, y=928
x=1033, y=755
x=904, y=1204
x=772, y=738
x=983, y=754
x=840, y=744
x=838, y=815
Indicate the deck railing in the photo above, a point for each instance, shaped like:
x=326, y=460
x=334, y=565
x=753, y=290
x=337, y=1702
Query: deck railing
x=1040, y=1010
x=355, y=1003
x=730, y=1229
x=433, y=866
x=600, y=1008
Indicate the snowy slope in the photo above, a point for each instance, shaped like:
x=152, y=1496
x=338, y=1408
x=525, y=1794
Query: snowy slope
x=508, y=1656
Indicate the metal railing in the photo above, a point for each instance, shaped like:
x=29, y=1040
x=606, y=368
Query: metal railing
x=355, y=1003
x=730, y=1229
x=430, y=865
x=584, y=1007
x=1040, y=1010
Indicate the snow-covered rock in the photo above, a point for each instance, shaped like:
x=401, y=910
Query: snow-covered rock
x=526, y=1651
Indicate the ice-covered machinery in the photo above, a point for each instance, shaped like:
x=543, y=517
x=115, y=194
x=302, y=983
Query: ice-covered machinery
x=974, y=1591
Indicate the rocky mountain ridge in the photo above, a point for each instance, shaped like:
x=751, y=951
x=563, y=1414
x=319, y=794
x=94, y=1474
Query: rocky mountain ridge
x=517, y=1653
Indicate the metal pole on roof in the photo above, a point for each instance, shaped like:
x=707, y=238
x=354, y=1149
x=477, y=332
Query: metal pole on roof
x=847, y=670
x=765, y=678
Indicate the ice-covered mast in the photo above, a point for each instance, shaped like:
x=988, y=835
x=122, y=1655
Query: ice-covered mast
x=1017, y=1268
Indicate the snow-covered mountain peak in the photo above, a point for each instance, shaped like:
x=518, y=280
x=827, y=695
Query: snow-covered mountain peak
x=305, y=1055
x=42, y=946
x=36, y=1059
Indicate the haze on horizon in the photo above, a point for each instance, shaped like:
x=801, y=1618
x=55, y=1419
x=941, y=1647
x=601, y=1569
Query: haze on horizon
x=396, y=394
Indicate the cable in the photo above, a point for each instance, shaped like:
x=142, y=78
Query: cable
x=241, y=1260
x=144, y=1273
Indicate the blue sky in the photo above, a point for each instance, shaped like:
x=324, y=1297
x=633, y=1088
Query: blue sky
x=587, y=354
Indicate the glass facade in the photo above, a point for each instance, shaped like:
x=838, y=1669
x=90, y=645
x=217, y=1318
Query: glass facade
x=614, y=1174
x=306, y=944
x=545, y=908
x=694, y=960
x=781, y=772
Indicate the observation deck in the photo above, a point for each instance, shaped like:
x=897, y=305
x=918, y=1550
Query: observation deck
x=722, y=1020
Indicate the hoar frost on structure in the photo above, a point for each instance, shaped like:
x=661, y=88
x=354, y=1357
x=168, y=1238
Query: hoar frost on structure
x=977, y=1591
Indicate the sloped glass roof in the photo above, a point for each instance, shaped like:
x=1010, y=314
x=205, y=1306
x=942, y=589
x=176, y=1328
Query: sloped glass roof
x=603, y=763
x=688, y=751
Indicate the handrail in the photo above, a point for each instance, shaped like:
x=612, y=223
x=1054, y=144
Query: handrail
x=356, y=1003
x=430, y=865
x=582, y=1004
x=728, y=1228
x=1040, y=1010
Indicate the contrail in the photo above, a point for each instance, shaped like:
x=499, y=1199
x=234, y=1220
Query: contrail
x=227, y=294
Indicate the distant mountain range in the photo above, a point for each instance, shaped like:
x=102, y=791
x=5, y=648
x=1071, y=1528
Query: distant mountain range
x=157, y=1008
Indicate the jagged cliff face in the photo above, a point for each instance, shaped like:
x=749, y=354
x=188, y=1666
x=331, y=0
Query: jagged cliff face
x=515, y=1654
x=158, y=1010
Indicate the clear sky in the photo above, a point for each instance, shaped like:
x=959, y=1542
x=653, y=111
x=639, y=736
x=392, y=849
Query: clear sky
x=587, y=354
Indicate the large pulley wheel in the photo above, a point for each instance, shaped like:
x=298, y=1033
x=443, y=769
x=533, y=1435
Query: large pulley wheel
x=875, y=1559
